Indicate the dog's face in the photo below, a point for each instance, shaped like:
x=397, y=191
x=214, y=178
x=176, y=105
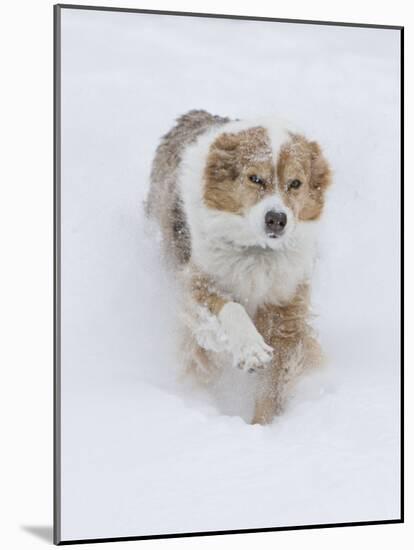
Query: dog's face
x=257, y=195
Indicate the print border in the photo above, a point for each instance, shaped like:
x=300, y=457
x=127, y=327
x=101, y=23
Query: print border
x=57, y=10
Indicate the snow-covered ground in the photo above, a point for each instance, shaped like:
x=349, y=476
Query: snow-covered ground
x=141, y=453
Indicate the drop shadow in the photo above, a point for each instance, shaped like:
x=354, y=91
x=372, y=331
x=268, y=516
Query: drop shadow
x=44, y=532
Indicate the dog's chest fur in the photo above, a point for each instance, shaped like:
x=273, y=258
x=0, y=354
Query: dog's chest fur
x=254, y=276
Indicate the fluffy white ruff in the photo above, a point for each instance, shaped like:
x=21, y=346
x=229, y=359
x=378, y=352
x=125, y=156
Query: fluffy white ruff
x=234, y=249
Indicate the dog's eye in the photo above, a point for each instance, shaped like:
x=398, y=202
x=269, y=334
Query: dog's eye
x=257, y=180
x=294, y=184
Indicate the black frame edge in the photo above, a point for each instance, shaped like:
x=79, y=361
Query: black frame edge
x=228, y=16
x=56, y=274
x=402, y=216
x=232, y=532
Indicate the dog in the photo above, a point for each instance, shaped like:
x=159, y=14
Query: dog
x=238, y=203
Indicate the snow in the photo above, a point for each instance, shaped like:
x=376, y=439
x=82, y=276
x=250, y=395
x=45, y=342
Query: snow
x=143, y=452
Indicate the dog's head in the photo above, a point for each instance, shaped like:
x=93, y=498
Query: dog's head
x=269, y=183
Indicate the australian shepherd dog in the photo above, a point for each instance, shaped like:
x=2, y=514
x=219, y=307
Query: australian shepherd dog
x=238, y=203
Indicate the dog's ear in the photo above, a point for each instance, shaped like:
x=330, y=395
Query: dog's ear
x=319, y=181
x=227, y=142
x=222, y=159
x=321, y=175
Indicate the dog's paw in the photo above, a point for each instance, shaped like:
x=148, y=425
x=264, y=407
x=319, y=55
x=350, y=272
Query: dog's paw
x=247, y=347
x=253, y=357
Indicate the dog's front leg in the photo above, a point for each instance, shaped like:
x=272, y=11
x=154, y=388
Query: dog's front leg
x=286, y=329
x=245, y=344
x=269, y=399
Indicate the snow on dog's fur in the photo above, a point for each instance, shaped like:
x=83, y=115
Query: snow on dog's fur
x=238, y=204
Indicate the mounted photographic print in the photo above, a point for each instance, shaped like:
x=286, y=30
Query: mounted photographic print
x=228, y=197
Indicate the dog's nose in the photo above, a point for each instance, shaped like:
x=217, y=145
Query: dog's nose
x=275, y=222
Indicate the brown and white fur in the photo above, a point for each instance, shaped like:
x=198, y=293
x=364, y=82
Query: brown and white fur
x=245, y=273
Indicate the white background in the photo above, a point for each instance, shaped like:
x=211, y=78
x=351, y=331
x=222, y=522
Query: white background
x=27, y=234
